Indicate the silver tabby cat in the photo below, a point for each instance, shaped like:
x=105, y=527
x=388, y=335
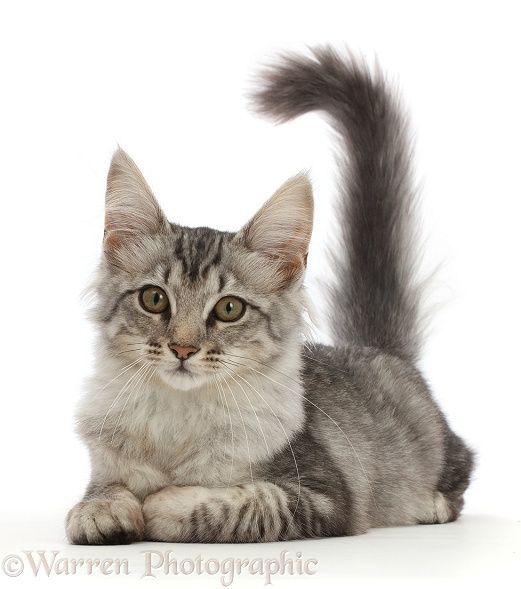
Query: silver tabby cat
x=209, y=419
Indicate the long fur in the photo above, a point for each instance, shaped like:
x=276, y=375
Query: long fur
x=376, y=294
x=259, y=437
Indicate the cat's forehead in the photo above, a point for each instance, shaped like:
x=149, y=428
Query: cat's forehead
x=195, y=252
x=194, y=262
x=197, y=262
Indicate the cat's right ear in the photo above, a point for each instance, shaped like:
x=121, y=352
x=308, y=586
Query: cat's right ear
x=281, y=229
x=131, y=210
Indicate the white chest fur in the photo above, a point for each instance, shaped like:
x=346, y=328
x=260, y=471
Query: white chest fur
x=214, y=436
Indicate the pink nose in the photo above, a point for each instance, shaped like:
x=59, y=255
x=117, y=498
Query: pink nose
x=183, y=352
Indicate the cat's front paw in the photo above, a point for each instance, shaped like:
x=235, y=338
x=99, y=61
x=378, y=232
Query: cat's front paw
x=102, y=521
x=168, y=513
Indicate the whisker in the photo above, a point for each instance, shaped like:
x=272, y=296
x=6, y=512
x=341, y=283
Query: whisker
x=245, y=433
x=287, y=438
x=231, y=428
x=132, y=391
x=123, y=389
x=125, y=369
x=324, y=364
x=287, y=375
x=224, y=409
x=319, y=409
x=128, y=351
x=251, y=405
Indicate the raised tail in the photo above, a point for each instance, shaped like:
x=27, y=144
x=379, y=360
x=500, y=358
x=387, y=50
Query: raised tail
x=375, y=300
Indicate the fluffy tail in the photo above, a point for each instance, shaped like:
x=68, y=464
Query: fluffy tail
x=375, y=302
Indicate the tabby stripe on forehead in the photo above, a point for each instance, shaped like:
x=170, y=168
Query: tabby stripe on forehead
x=179, y=252
x=198, y=254
x=222, y=282
x=218, y=242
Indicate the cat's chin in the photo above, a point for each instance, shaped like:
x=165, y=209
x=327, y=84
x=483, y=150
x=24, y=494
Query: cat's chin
x=182, y=380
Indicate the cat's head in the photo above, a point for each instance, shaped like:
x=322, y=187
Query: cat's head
x=196, y=302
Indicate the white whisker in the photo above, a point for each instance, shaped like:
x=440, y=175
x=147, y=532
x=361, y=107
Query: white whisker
x=251, y=405
x=364, y=472
x=245, y=432
x=117, y=397
x=143, y=372
x=125, y=369
x=231, y=428
x=287, y=438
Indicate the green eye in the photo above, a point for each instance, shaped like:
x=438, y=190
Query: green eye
x=229, y=309
x=153, y=299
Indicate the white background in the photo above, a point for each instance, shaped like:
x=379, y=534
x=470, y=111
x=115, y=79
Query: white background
x=167, y=81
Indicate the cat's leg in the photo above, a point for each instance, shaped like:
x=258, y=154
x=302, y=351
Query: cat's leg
x=442, y=509
x=258, y=512
x=108, y=514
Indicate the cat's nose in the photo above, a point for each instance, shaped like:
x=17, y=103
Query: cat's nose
x=183, y=352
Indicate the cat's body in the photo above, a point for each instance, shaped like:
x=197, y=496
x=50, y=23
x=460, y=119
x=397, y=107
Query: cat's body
x=205, y=428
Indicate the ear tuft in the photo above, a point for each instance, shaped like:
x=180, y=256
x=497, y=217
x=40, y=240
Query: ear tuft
x=130, y=206
x=281, y=229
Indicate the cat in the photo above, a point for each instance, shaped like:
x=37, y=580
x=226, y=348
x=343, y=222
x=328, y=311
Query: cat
x=208, y=417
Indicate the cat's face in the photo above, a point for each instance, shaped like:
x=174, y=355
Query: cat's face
x=198, y=305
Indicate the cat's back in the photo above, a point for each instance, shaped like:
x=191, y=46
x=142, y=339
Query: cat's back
x=365, y=378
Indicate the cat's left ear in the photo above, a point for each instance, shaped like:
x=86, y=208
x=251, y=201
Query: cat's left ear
x=131, y=210
x=281, y=229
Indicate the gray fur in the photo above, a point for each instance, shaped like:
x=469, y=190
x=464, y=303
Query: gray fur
x=258, y=437
x=377, y=295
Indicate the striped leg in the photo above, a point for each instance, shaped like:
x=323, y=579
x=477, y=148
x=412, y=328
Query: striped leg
x=258, y=512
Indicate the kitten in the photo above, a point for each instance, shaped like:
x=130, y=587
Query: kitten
x=208, y=418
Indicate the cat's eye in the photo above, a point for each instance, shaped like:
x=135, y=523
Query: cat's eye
x=153, y=299
x=229, y=309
